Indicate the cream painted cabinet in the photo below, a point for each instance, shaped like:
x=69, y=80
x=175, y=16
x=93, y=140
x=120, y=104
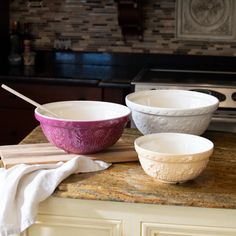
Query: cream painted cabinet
x=63, y=216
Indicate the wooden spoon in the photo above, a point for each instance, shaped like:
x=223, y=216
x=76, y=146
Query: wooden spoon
x=28, y=100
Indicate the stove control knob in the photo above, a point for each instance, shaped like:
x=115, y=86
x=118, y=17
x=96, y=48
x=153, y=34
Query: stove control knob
x=234, y=96
x=217, y=94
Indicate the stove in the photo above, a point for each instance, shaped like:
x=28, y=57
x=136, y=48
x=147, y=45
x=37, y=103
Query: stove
x=221, y=84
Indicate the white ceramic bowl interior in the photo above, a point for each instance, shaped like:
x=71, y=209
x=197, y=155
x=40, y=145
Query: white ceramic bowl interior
x=85, y=110
x=173, y=157
x=170, y=110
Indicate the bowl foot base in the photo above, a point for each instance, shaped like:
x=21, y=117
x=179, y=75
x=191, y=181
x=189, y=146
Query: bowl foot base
x=170, y=182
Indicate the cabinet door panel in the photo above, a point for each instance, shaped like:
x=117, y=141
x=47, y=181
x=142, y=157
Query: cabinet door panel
x=71, y=226
x=15, y=125
x=155, y=229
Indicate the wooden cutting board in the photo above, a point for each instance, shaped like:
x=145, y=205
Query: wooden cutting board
x=42, y=153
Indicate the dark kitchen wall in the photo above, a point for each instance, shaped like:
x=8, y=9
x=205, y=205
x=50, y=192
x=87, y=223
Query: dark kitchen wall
x=92, y=25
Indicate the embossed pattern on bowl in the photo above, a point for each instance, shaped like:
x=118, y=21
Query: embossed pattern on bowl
x=173, y=157
x=179, y=111
x=84, y=126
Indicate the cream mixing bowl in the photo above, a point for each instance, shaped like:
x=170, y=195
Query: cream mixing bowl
x=173, y=157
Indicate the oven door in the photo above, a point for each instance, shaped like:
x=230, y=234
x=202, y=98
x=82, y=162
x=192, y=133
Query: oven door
x=224, y=120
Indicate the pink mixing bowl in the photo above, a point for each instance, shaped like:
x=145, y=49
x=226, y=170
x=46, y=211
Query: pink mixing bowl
x=83, y=126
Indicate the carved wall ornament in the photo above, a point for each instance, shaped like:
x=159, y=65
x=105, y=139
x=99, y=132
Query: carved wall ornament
x=205, y=19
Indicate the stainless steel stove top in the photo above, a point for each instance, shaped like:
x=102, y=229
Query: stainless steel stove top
x=215, y=78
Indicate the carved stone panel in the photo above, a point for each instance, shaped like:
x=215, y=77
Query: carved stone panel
x=205, y=19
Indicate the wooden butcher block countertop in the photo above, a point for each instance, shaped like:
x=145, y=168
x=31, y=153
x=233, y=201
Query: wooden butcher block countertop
x=127, y=182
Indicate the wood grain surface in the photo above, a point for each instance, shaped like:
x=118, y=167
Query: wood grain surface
x=42, y=153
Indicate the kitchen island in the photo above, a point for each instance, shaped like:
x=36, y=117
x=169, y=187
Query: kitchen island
x=123, y=200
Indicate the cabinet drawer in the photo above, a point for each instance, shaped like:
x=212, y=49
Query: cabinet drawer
x=47, y=93
x=156, y=229
x=71, y=226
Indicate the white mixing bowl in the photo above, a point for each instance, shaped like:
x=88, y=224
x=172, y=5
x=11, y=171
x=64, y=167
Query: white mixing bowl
x=180, y=111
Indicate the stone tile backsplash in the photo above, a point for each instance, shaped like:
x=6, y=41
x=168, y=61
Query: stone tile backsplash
x=92, y=25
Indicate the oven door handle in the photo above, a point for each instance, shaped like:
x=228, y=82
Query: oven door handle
x=224, y=120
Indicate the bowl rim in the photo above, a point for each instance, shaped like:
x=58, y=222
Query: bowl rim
x=56, y=119
x=168, y=156
x=129, y=100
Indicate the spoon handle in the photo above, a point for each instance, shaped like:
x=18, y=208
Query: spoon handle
x=27, y=99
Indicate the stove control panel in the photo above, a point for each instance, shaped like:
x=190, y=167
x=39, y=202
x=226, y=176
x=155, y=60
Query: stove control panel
x=214, y=93
x=226, y=95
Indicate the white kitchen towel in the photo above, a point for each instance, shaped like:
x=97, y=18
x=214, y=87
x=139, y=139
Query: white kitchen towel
x=23, y=187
